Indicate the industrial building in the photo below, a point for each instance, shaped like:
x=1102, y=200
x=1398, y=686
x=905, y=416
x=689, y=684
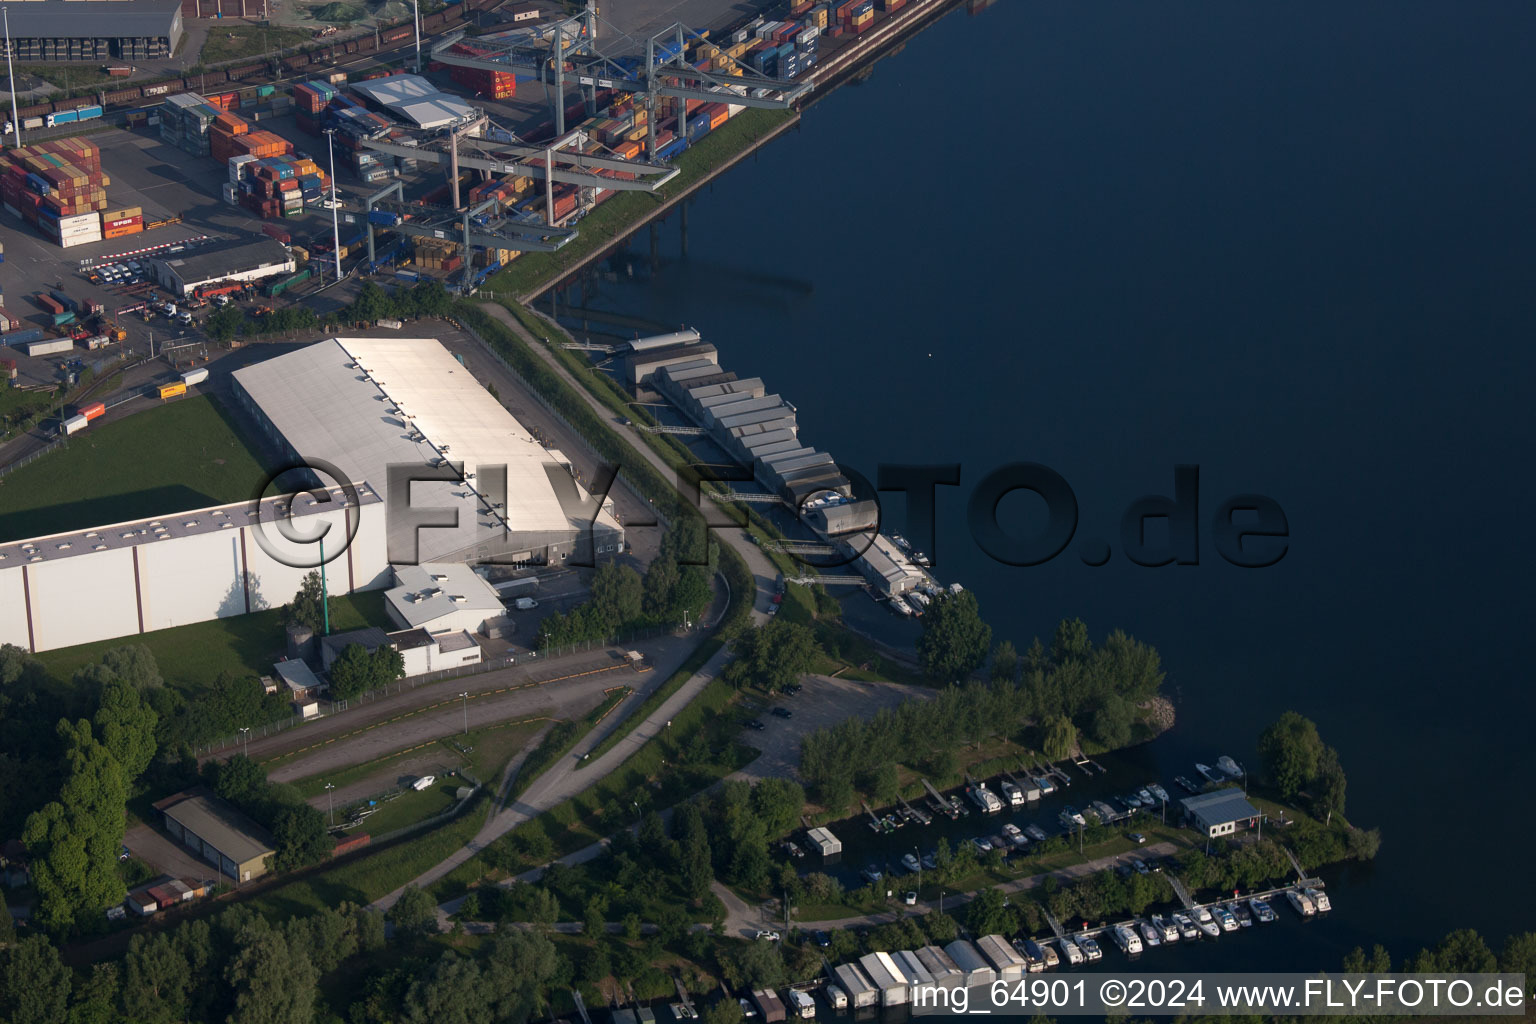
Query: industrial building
x=886, y=566
x=415, y=101
x=231, y=261
x=224, y=8
x=758, y=429
x=439, y=597
x=372, y=406
x=148, y=574
x=421, y=651
x=95, y=30
x=1220, y=813
x=218, y=833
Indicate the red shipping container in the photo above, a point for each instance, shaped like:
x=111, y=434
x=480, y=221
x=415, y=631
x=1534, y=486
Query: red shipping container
x=93, y=410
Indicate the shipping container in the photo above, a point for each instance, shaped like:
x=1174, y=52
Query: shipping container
x=49, y=346
x=22, y=337
x=93, y=410
x=196, y=376
x=74, y=425
x=172, y=390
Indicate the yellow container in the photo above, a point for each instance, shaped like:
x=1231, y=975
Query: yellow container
x=172, y=390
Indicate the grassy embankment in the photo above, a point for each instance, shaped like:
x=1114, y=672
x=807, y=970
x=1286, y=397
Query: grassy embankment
x=617, y=217
x=239, y=41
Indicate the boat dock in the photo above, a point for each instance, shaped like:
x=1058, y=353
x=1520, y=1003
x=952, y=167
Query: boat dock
x=1089, y=766
x=877, y=823
x=950, y=808
x=1050, y=771
x=913, y=814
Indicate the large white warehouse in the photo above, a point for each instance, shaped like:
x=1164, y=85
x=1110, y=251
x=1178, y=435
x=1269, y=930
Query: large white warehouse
x=149, y=574
x=367, y=405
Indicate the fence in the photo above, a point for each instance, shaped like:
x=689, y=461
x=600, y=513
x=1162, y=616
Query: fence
x=33, y=457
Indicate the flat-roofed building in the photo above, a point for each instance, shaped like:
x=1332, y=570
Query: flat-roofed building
x=1220, y=813
x=86, y=30
x=250, y=260
x=218, y=833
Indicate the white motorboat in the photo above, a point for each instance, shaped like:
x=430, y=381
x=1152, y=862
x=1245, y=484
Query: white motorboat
x=1090, y=948
x=1206, y=923
x=1186, y=926
x=1158, y=791
x=1074, y=955
x=1301, y=902
x=1225, y=918
x=1127, y=939
x=1015, y=835
x=911, y=863
x=1150, y=936
x=1262, y=910
x=1320, y=900
x=1231, y=767
x=1169, y=929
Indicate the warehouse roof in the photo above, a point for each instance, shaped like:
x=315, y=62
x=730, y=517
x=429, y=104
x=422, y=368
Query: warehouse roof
x=221, y=826
x=99, y=19
x=214, y=262
x=425, y=593
x=416, y=100
x=129, y=534
x=365, y=404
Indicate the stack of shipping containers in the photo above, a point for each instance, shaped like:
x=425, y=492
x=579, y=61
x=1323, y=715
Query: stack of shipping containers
x=185, y=120
x=58, y=187
x=493, y=85
x=121, y=223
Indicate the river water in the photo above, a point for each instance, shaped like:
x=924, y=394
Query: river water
x=1293, y=247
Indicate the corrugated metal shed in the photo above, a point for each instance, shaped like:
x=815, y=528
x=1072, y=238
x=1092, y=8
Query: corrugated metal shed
x=769, y=1005
x=683, y=337
x=887, y=977
x=860, y=990
x=938, y=964
x=825, y=841
x=974, y=967
x=918, y=978
x=1010, y=966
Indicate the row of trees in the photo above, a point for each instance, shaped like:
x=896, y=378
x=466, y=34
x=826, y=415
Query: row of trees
x=357, y=671
x=772, y=656
x=373, y=303
x=298, y=830
x=1297, y=762
x=1047, y=691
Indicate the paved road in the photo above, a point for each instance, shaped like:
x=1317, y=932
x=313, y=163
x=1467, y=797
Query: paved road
x=568, y=688
x=564, y=780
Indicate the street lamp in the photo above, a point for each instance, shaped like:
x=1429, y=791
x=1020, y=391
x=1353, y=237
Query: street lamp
x=919, y=855
x=465, y=695
x=330, y=149
x=245, y=731
x=329, y=803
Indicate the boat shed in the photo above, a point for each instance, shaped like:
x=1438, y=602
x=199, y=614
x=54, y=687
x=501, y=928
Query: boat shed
x=1010, y=966
x=974, y=968
x=639, y=366
x=939, y=966
x=1220, y=813
x=825, y=841
x=888, y=978
x=921, y=982
x=1030, y=788
x=860, y=990
x=769, y=1005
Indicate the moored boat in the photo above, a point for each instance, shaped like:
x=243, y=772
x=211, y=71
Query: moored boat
x=1074, y=955
x=1149, y=935
x=1262, y=910
x=1168, y=928
x=1186, y=926
x=1127, y=939
x=1301, y=902
x=1320, y=900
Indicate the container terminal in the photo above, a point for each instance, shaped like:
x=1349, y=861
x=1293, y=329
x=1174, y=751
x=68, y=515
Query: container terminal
x=508, y=138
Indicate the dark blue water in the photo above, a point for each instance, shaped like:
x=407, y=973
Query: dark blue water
x=1292, y=246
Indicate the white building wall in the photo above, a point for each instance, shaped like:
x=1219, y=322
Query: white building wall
x=191, y=579
x=13, y=609
x=274, y=583
x=82, y=599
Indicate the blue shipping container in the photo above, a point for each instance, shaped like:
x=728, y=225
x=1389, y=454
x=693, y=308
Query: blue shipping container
x=22, y=337
x=383, y=217
x=86, y=113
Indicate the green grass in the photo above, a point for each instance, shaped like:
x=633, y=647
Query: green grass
x=695, y=661
x=68, y=76
x=191, y=656
x=409, y=807
x=531, y=273
x=183, y=455
x=560, y=740
x=238, y=41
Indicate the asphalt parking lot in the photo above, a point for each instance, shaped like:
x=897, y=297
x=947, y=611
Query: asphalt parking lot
x=824, y=701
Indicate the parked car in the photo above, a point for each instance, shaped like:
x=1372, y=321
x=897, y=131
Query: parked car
x=910, y=899
x=793, y=688
x=755, y=724
x=822, y=938
x=784, y=712
x=769, y=936
x=1136, y=837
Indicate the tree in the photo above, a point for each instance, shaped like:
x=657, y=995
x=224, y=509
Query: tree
x=453, y=993
x=754, y=965
x=726, y=1011
x=414, y=913
x=1329, y=785
x=156, y=979
x=1112, y=721
x=134, y=664
x=225, y=323
x=955, y=640
x=617, y=594
x=34, y=983
x=352, y=673
x=74, y=841
x=388, y=666
x=1071, y=642
x=239, y=780
x=271, y=983
x=127, y=727
x=95, y=1001
x=1060, y=738
x=1290, y=750
x=521, y=967
x=300, y=837
x=306, y=608
x=1519, y=957
x=1005, y=661
x=772, y=656
x=987, y=914
x=940, y=927
x=7, y=923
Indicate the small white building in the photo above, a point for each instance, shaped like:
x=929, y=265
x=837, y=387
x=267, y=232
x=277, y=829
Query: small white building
x=442, y=597
x=1220, y=813
x=825, y=842
x=422, y=652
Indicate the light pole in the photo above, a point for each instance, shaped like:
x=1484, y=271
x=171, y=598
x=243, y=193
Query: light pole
x=465, y=695
x=329, y=802
x=11, y=73
x=245, y=731
x=417, y=5
x=919, y=855
x=330, y=148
